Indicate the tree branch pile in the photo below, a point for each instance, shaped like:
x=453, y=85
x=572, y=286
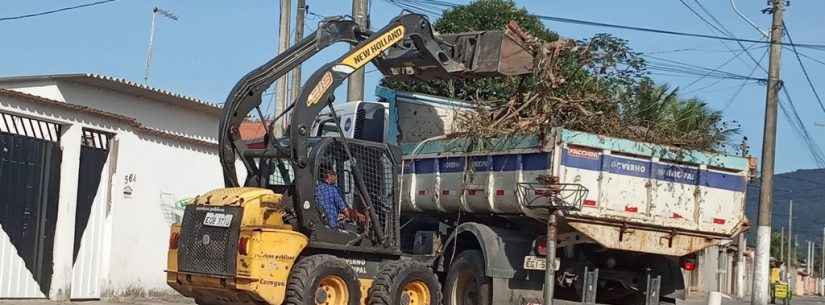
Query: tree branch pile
x=598, y=86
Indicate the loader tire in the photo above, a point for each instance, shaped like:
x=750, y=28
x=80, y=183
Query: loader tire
x=405, y=282
x=322, y=279
x=466, y=282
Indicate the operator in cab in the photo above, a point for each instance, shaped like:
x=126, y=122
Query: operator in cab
x=330, y=198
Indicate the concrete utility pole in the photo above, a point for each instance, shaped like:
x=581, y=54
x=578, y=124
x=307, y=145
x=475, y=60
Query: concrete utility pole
x=782, y=245
x=300, y=13
x=761, y=293
x=790, y=238
x=283, y=43
x=740, y=266
x=550, y=260
x=355, y=83
x=808, y=260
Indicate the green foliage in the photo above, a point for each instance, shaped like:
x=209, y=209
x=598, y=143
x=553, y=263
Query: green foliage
x=658, y=110
x=487, y=15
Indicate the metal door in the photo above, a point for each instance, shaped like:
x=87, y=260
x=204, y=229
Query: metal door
x=91, y=214
x=29, y=186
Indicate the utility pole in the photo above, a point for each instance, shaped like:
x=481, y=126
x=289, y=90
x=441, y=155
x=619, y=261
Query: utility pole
x=283, y=43
x=782, y=245
x=740, y=266
x=763, y=241
x=822, y=265
x=795, y=252
x=355, y=84
x=300, y=13
x=790, y=238
x=808, y=261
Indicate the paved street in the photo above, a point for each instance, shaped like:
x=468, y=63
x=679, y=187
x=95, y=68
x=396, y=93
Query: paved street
x=183, y=301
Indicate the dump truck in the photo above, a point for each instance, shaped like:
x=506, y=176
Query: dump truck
x=636, y=212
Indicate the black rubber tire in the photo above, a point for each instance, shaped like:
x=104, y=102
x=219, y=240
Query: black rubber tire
x=306, y=275
x=468, y=263
x=387, y=289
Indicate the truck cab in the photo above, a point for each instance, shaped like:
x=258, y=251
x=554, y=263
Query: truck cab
x=397, y=118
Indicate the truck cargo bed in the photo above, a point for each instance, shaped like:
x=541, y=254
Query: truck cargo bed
x=638, y=194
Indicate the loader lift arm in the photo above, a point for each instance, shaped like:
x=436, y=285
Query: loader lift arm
x=405, y=48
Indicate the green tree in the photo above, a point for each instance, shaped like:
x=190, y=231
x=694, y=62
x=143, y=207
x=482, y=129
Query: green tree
x=486, y=15
x=658, y=110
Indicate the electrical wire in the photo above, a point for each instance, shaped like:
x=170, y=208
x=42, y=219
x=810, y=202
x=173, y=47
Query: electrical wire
x=659, y=64
x=56, y=10
x=413, y=5
x=744, y=83
x=811, y=58
x=804, y=70
x=792, y=115
x=748, y=21
x=697, y=50
x=717, y=67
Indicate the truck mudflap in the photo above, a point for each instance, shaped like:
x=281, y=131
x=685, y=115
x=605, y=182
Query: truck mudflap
x=504, y=250
x=647, y=239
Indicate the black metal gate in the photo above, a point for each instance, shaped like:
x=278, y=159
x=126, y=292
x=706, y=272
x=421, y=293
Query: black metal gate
x=29, y=187
x=94, y=150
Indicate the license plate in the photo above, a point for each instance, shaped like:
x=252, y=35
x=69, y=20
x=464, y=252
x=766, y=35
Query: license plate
x=535, y=263
x=217, y=220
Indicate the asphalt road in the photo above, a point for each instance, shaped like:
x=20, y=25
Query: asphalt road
x=183, y=301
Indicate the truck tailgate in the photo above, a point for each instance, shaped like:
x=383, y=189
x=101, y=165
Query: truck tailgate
x=650, y=184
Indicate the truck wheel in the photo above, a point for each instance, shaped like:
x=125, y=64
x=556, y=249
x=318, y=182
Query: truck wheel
x=466, y=283
x=405, y=283
x=322, y=279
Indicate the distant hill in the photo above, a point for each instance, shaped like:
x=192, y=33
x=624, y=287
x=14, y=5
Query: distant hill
x=806, y=187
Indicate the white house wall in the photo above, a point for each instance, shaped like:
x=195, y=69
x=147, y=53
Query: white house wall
x=43, y=88
x=151, y=113
x=162, y=177
x=162, y=173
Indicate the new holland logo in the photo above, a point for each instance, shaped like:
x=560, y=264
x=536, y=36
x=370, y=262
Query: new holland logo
x=318, y=91
x=369, y=51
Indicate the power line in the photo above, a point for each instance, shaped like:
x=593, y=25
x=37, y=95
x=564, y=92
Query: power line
x=56, y=10
x=799, y=127
x=717, y=67
x=744, y=83
x=412, y=5
x=697, y=50
x=811, y=58
x=804, y=70
x=656, y=63
x=667, y=32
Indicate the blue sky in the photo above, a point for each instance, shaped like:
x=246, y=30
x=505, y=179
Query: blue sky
x=216, y=42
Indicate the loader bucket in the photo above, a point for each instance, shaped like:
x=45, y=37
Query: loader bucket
x=490, y=53
x=461, y=55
